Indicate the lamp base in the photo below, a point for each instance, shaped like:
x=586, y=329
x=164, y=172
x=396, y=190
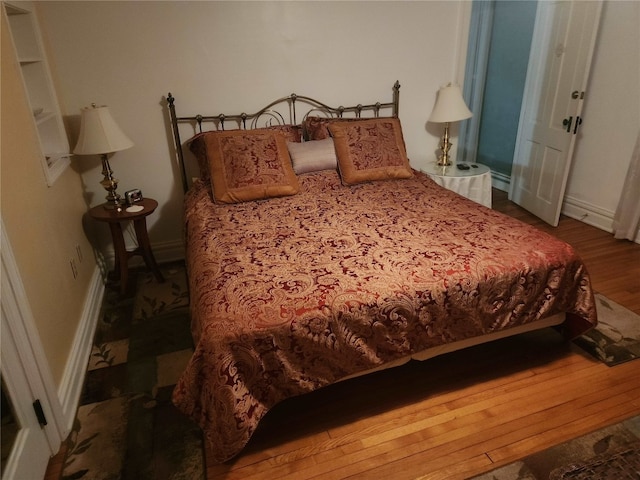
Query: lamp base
x=445, y=146
x=443, y=162
x=118, y=207
x=110, y=184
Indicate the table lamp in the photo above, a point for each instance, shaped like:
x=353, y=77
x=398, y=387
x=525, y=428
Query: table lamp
x=449, y=107
x=100, y=135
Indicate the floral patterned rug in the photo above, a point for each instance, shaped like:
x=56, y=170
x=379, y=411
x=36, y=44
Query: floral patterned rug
x=619, y=464
x=126, y=426
x=616, y=339
x=572, y=458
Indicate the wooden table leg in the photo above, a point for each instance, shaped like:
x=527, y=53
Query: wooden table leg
x=140, y=226
x=121, y=256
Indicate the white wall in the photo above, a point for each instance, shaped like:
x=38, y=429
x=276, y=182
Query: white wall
x=611, y=118
x=238, y=56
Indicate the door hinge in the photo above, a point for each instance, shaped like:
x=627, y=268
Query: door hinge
x=37, y=407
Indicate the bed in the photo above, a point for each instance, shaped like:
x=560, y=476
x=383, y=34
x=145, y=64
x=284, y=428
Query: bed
x=311, y=262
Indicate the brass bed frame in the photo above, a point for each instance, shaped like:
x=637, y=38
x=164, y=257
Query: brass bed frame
x=270, y=115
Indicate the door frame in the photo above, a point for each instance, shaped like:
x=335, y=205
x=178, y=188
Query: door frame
x=475, y=77
x=24, y=365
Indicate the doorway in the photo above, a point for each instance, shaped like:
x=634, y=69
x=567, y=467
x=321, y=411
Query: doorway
x=498, y=54
x=528, y=123
x=27, y=387
x=10, y=427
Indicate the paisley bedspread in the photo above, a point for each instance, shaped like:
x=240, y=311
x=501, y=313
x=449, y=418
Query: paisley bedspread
x=295, y=293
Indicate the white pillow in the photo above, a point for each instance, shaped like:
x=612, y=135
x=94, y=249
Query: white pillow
x=313, y=156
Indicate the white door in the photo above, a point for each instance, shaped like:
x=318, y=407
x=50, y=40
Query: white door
x=26, y=381
x=30, y=451
x=563, y=42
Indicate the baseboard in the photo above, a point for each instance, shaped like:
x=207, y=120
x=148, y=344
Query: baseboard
x=591, y=215
x=571, y=207
x=588, y=213
x=168, y=251
x=163, y=253
x=500, y=181
x=75, y=371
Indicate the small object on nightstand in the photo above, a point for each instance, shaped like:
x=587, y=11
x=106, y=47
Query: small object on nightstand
x=115, y=219
x=133, y=196
x=462, y=166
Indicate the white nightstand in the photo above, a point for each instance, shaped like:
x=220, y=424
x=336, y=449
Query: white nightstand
x=475, y=183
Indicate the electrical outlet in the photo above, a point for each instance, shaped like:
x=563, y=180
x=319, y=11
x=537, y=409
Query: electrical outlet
x=79, y=253
x=74, y=269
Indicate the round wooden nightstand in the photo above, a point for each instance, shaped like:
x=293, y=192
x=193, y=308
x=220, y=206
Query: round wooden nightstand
x=115, y=219
x=473, y=183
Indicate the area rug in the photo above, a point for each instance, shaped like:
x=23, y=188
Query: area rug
x=605, y=450
x=126, y=426
x=623, y=463
x=616, y=339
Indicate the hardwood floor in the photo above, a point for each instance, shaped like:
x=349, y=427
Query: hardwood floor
x=462, y=414
x=465, y=413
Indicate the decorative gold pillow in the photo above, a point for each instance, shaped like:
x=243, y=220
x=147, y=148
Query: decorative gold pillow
x=370, y=150
x=293, y=133
x=247, y=165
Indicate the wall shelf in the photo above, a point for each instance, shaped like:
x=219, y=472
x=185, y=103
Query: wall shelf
x=39, y=88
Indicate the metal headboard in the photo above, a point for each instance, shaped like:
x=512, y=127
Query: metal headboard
x=271, y=116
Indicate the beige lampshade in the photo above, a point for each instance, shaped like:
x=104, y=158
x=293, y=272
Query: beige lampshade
x=99, y=133
x=450, y=106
